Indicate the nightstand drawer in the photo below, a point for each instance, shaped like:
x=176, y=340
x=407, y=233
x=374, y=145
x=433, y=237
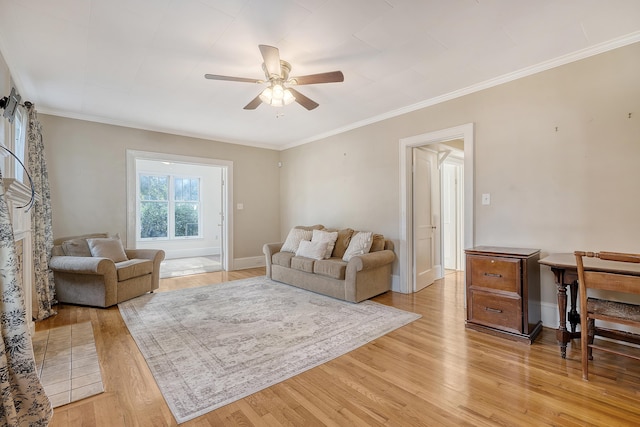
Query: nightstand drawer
x=497, y=311
x=496, y=273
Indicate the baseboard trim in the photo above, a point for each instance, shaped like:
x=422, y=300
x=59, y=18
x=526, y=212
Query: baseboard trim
x=188, y=253
x=550, y=315
x=249, y=262
x=395, y=283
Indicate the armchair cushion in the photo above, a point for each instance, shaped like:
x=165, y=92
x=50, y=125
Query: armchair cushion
x=133, y=268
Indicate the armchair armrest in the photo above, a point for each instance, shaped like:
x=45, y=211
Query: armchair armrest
x=371, y=260
x=155, y=255
x=82, y=265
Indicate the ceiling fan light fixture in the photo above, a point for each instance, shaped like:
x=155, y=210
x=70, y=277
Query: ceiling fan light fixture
x=277, y=96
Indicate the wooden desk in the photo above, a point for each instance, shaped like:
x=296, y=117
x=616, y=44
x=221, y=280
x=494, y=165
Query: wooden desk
x=564, y=268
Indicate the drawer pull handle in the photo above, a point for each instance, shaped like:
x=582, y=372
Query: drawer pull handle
x=492, y=310
x=493, y=275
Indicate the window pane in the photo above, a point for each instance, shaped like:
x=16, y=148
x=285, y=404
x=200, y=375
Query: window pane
x=153, y=187
x=186, y=219
x=187, y=189
x=195, y=190
x=19, y=145
x=177, y=183
x=154, y=219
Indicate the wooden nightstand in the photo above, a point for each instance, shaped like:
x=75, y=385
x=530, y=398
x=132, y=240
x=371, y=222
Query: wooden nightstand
x=503, y=292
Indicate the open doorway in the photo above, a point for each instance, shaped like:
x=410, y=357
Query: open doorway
x=452, y=202
x=180, y=204
x=407, y=245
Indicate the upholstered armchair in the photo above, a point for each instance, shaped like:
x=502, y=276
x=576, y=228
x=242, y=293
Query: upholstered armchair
x=96, y=270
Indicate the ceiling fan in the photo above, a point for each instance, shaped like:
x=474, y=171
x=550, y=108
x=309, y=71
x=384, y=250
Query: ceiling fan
x=279, y=92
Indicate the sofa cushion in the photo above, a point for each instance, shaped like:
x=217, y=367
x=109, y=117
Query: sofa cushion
x=360, y=244
x=342, y=242
x=378, y=243
x=333, y=267
x=76, y=247
x=295, y=236
x=282, y=259
x=329, y=237
x=315, y=250
x=302, y=264
x=133, y=268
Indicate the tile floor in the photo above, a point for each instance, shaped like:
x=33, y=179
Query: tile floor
x=67, y=362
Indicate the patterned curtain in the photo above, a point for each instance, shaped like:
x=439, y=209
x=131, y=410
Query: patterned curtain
x=40, y=220
x=22, y=398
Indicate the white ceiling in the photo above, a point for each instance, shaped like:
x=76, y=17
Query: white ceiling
x=141, y=63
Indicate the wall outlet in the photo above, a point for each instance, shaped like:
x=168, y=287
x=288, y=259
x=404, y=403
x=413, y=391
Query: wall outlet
x=486, y=199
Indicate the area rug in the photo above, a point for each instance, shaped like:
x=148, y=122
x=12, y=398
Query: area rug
x=186, y=266
x=212, y=345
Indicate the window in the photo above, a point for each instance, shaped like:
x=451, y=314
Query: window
x=169, y=206
x=19, y=133
x=186, y=198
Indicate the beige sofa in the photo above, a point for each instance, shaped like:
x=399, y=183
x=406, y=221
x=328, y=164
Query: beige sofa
x=361, y=277
x=106, y=279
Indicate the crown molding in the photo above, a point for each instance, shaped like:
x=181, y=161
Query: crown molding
x=505, y=78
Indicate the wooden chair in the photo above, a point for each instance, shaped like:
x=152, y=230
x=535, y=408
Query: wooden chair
x=612, y=275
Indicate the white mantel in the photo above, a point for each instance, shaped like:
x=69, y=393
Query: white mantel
x=19, y=195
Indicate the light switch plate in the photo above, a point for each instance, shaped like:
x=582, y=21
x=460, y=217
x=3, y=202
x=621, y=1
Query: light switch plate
x=486, y=199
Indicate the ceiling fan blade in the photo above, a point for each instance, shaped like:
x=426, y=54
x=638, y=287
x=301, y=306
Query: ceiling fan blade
x=255, y=102
x=330, y=77
x=231, y=79
x=307, y=103
x=271, y=56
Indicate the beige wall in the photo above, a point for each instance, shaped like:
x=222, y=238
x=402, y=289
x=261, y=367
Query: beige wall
x=87, y=173
x=574, y=188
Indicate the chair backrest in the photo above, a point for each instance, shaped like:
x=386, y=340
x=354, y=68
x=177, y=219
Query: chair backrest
x=618, y=272
x=609, y=276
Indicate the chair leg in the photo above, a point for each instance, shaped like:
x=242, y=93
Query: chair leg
x=591, y=333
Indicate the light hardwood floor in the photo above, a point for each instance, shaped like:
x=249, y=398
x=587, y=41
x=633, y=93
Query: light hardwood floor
x=429, y=373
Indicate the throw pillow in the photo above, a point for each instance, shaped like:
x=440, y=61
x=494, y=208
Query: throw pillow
x=328, y=237
x=360, y=244
x=296, y=235
x=377, y=243
x=342, y=243
x=76, y=247
x=107, y=248
x=315, y=250
x=310, y=227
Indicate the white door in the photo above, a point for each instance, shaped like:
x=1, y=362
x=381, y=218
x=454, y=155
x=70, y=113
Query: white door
x=426, y=205
x=450, y=218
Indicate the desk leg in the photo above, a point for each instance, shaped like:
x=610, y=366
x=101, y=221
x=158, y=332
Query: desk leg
x=574, y=316
x=562, y=334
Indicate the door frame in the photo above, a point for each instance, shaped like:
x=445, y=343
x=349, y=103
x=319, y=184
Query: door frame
x=406, y=261
x=227, y=195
